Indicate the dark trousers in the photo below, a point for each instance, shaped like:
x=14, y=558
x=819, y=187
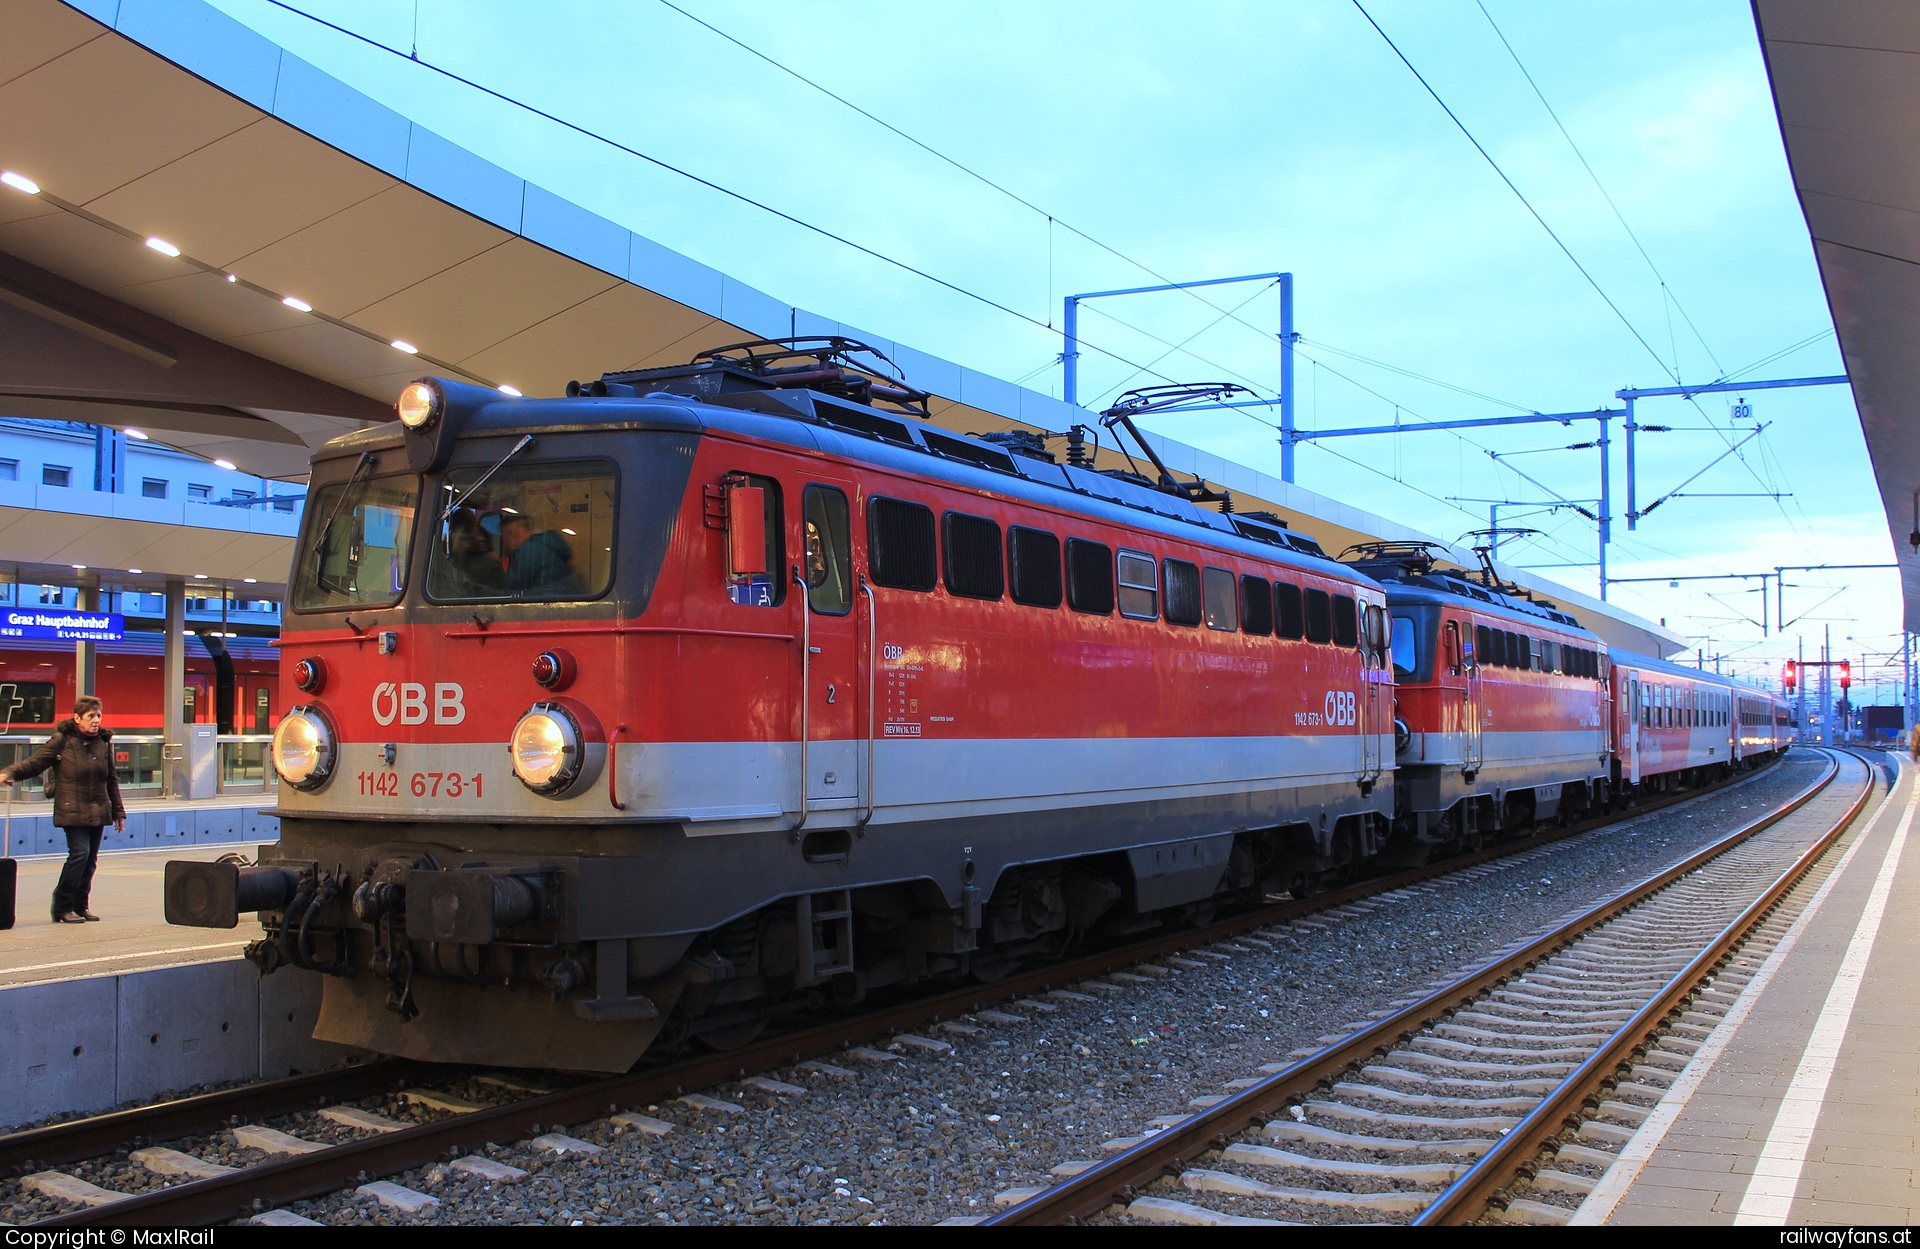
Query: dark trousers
x=76, y=878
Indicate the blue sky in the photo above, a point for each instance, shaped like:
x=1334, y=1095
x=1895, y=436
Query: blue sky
x=1211, y=139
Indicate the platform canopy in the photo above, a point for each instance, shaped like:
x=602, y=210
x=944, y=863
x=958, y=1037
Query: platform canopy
x=1846, y=84
x=330, y=250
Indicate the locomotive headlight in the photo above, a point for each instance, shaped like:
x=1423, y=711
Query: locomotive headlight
x=303, y=748
x=547, y=749
x=419, y=405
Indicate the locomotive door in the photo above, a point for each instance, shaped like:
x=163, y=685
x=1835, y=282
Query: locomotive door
x=1470, y=709
x=831, y=757
x=1372, y=648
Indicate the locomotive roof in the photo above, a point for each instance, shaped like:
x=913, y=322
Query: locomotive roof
x=888, y=440
x=1444, y=589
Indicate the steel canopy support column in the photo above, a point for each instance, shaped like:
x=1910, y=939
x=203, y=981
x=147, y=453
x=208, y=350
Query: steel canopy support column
x=173, y=751
x=85, y=654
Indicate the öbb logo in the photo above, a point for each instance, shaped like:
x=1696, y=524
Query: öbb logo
x=407, y=703
x=1339, y=707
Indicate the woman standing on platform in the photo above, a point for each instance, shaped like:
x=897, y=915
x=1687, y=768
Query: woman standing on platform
x=86, y=797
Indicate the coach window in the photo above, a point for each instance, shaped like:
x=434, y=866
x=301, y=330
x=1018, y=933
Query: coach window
x=1223, y=613
x=1033, y=558
x=900, y=547
x=1319, y=606
x=973, y=556
x=1089, y=577
x=1183, y=592
x=829, y=557
x=1256, y=606
x=1290, y=619
x=1139, y=587
x=763, y=589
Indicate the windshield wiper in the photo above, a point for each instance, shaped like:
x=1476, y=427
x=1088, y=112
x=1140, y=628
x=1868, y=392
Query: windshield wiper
x=326, y=531
x=454, y=503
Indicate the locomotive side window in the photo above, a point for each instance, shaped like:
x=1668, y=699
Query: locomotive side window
x=973, y=556
x=900, y=544
x=1222, y=613
x=1291, y=620
x=1256, y=606
x=1089, y=577
x=355, y=550
x=766, y=589
x=1498, y=656
x=539, y=531
x=1035, y=558
x=1483, y=644
x=1526, y=651
x=1139, y=587
x=1319, y=616
x=1183, y=592
x=829, y=563
x=1346, y=625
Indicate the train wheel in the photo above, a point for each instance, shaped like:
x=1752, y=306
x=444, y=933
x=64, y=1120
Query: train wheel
x=732, y=1036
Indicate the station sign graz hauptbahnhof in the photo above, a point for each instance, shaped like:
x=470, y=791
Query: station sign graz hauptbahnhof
x=54, y=625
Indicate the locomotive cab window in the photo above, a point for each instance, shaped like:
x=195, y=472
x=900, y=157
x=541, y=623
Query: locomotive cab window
x=829, y=565
x=1139, y=587
x=1034, y=559
x=358, y=535
x=538, y=532
x=1319, y=610
x=1090, y=577
x=1414, y=642
x=1183, y=592
x=900, y=547
x=973, y=556
x=1290, y=618
x=1216, y=585
x=1346, y=624
x=768, y=588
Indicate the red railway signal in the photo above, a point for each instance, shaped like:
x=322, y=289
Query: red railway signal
x=1791, y=677
x=1846, y=674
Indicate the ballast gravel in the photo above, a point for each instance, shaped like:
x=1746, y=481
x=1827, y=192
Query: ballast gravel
x=935, y=1134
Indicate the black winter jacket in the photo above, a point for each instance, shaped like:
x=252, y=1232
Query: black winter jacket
x=86, y=793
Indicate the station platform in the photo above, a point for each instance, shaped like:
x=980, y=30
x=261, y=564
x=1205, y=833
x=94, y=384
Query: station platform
x=1803, y=1106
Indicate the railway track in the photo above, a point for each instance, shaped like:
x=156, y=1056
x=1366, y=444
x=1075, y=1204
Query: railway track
x=427, y=1113
x=1502, y=1094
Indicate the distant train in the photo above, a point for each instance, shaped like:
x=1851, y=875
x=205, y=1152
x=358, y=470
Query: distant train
x=713, y=693
x=37, y=684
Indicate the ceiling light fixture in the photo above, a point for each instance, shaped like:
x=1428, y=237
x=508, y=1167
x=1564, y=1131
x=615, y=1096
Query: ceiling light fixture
x=250, y=580
x=401, y=344
x=297, y=304
x=80, y=567
x=226, y=464
x=233, y=277
x=509, y=390
x=136, y=570
x=137, y=435
x=20, y=182
x=163, y=247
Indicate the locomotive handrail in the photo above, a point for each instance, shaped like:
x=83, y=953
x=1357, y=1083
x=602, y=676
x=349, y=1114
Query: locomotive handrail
x=873, y=674
x=613, y=768
x=578, y=630
x=806, y=690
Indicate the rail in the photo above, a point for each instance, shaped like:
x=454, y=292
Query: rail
x=1094, y=1189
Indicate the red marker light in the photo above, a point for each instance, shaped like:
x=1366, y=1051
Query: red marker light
x=1791, y=677
x=310, y=675
x=554, y=669
x=1846, y=674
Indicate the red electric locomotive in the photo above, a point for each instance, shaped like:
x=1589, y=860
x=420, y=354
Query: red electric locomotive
x=709, y=693
x=1500, y=704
